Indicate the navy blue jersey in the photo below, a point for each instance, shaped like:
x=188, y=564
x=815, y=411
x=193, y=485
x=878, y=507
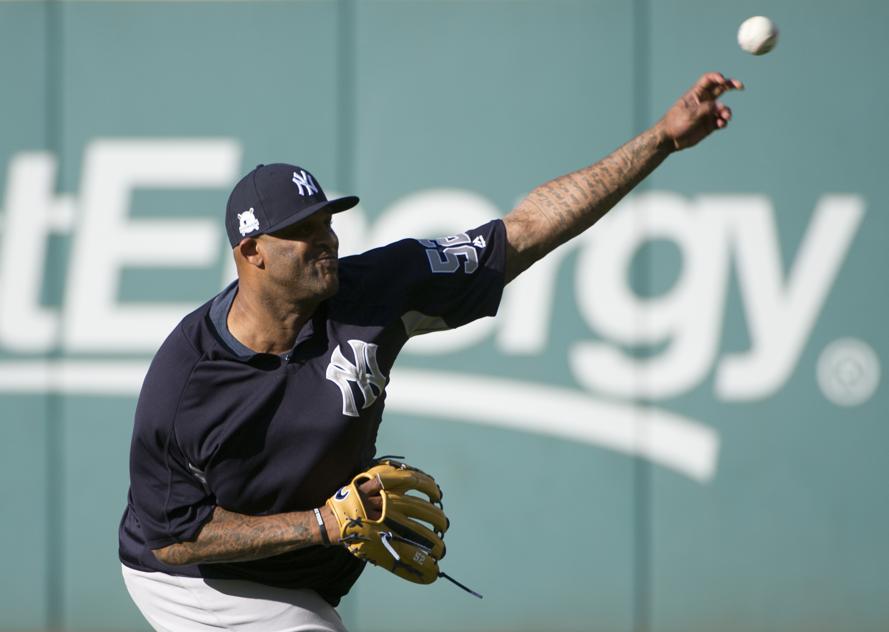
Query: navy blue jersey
x=259, y=434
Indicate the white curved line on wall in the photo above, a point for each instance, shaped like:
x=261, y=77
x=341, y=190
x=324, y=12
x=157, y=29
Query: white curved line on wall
x=663, y=437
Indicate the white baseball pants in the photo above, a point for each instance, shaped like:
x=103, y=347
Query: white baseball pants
x=178, y=604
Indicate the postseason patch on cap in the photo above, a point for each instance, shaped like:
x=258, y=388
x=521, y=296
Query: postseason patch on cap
x=247, y=222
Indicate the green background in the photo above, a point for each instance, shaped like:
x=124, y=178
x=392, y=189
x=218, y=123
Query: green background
x=391, y=98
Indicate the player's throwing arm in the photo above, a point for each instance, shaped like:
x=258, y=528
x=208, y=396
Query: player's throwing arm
x=562, y=208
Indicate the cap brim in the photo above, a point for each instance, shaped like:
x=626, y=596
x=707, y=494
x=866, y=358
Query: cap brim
x=331, y=206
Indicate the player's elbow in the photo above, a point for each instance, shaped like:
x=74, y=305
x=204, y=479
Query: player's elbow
x=530, y=235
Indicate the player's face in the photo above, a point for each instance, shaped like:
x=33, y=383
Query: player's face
x=302, y=259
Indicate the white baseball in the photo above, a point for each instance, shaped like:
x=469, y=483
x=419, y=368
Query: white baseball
x=757, y=35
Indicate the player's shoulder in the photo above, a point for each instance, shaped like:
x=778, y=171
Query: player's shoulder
x=395, y=254
x=192, y=335
x=171, y=368
x=380, y=261
x=374, y=276
x=192, y=339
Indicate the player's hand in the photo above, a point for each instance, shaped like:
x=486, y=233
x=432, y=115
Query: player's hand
x=406, y=538
x=369, y=491
x=698, y=112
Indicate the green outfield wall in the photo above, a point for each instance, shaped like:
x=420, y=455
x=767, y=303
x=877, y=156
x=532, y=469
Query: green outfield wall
x=676, y=423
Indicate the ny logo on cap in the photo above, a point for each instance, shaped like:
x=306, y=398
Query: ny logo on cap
x=247, y=222
x=305, y=183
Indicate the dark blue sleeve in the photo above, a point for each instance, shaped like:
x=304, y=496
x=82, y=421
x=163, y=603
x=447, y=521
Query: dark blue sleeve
x=170, y=501
x=437, y=283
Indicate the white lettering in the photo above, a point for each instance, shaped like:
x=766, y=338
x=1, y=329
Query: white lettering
x=32, y=213
x=780, y=315
x=688, y=317
x=523, y=321
x=106, y=240
x=683, y=324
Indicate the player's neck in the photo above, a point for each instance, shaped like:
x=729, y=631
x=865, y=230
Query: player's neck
x=266, y=324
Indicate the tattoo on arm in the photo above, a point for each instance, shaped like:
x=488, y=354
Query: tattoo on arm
x=234, y=537
x=562, y=208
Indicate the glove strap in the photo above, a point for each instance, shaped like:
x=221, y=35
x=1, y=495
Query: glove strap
x=324, y=538
x=464, y=587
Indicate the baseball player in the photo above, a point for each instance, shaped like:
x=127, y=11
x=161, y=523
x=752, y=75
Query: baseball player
x=255, y=495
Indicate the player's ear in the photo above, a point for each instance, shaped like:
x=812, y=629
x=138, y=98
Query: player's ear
x=247, y=252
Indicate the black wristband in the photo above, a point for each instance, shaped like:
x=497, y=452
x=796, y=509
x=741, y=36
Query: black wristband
x=324, y=538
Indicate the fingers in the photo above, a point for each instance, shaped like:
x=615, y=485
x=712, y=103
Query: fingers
x=724, y=115
x=712, y=85
x=370, y=494
x=371, y=486
x=373, y=506
x=721, y=114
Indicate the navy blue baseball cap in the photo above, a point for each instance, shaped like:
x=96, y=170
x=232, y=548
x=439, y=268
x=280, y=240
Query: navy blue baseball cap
x=272, y=197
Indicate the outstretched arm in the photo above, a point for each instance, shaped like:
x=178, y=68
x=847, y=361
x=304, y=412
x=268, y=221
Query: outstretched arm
x=563, y=208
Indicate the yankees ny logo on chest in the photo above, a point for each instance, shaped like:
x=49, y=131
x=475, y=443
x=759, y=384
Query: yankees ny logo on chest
x=365, y=373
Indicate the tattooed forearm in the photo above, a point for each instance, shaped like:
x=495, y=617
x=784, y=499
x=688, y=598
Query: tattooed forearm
x=564, y=207
x=234, y=537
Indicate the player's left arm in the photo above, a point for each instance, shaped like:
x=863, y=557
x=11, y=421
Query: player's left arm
x=234, y=537
x=563, y=208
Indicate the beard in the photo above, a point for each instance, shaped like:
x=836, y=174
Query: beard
x=322, y=279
